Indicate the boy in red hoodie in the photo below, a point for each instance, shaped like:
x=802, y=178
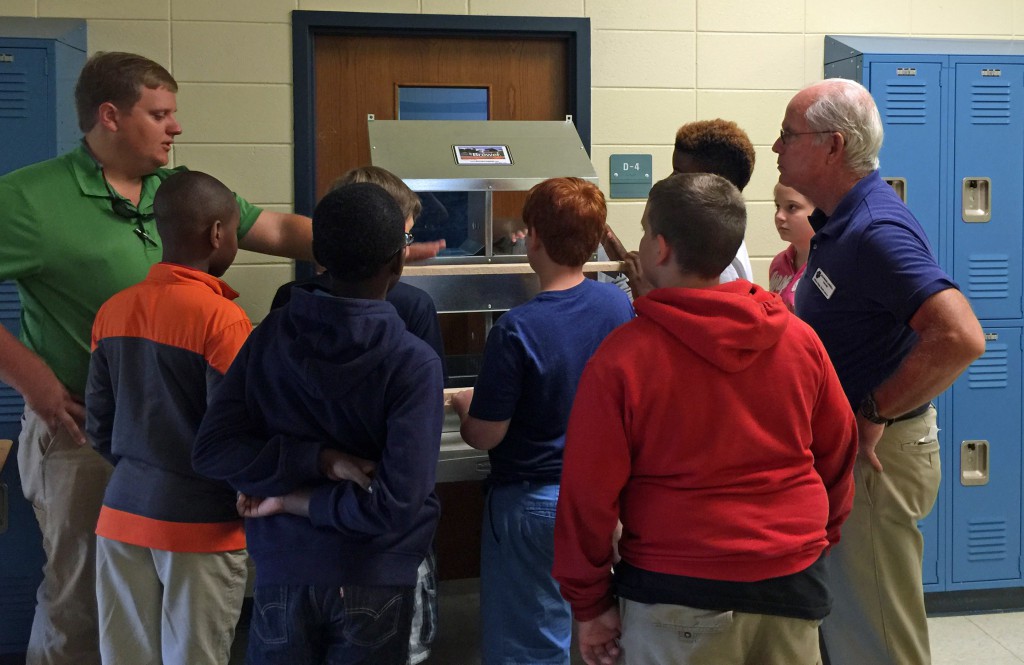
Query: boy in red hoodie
x=729, y=500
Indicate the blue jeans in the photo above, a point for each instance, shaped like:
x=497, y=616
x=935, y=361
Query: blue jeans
x=295, y=625
x=524, y=619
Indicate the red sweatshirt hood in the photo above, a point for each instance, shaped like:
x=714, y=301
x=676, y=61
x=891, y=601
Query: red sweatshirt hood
x=727, y=325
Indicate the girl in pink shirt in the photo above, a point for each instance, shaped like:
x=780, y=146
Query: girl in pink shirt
x=791, y=212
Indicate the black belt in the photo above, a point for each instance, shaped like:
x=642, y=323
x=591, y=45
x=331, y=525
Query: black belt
x=914, y=413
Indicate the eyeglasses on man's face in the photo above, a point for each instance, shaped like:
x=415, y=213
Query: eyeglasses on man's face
x=788, y=137
x=408, y=240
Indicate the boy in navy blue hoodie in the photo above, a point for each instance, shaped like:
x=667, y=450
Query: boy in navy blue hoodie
x=416, y=309
x=328, y=423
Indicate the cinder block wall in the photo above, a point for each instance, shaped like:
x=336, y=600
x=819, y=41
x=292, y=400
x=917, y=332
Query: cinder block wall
x=655, y=65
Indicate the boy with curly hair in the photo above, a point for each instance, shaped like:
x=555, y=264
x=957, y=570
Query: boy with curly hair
x=705, y=146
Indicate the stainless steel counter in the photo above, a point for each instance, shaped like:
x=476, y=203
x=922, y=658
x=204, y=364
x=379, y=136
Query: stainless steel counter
x=458, y=461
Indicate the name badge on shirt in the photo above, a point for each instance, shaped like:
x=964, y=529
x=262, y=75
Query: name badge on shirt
x=824, y=284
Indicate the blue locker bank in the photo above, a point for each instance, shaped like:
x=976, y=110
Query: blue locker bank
x=39, y=64
x=953, y=112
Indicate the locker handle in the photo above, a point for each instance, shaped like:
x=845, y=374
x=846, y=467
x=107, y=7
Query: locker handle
x=974, y=462
x=899, y=185
x=976, y=200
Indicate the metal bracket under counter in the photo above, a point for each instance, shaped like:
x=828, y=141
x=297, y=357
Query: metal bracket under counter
x=459, y=462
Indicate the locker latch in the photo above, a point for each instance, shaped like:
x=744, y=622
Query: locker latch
x=976, y=200
x=974, y=462
x=899, y=185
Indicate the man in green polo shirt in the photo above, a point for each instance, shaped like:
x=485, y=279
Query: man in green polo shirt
x=73, y=231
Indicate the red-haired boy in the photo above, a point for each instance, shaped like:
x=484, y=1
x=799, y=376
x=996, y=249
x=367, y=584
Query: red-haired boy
x=518, y=412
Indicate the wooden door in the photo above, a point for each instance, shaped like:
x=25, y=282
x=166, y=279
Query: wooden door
x=356, y=75
x=526, y=78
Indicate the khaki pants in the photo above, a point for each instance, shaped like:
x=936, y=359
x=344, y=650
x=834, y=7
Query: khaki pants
x=65, y=484
x=660, y=634
x=878, y=614
x=167, y=608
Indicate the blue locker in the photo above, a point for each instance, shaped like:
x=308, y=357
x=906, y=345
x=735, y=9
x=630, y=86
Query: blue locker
x=26, y=107
x=21, y=556
x=909, y=98
x=986, y=462
x=39, y=64
x=989, y=153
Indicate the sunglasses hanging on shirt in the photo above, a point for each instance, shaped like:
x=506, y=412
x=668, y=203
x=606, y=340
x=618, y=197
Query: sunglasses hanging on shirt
x=126, y=210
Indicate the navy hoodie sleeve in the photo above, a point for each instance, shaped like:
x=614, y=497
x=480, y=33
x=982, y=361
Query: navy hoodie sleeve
x=99, y=405
x=406, y=472
x=232, y=443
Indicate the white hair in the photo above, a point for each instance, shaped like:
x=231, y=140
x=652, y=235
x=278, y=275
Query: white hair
x=846, y=107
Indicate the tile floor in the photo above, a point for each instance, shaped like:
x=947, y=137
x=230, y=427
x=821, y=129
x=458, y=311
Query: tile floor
x=992, y=639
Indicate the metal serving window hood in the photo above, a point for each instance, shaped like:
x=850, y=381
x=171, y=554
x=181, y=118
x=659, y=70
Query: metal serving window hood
x=478, y=155
x=447, y=158
x=480, y=158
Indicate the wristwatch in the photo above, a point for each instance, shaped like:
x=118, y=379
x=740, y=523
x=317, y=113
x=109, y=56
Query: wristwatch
x=869, y=409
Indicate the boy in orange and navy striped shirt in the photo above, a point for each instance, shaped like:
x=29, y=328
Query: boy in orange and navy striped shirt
x=171, y=566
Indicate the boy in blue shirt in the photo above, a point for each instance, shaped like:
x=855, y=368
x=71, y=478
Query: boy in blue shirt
x=518, y=412
x=327, y=382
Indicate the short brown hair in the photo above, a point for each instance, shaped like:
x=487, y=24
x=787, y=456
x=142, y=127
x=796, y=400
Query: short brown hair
x=117, y=78
x=702, y=217
x=407, y=199
x=568, y=215
x=720, y=147
x=187, y=204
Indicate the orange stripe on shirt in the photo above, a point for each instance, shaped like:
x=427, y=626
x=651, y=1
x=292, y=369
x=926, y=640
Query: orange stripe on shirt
x=170, y=536
x=202, y=321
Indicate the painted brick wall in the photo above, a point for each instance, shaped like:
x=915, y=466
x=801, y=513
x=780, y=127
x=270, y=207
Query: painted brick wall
x=655, y=65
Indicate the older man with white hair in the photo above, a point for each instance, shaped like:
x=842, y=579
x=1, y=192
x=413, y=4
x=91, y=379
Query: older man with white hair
x=899, y=332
